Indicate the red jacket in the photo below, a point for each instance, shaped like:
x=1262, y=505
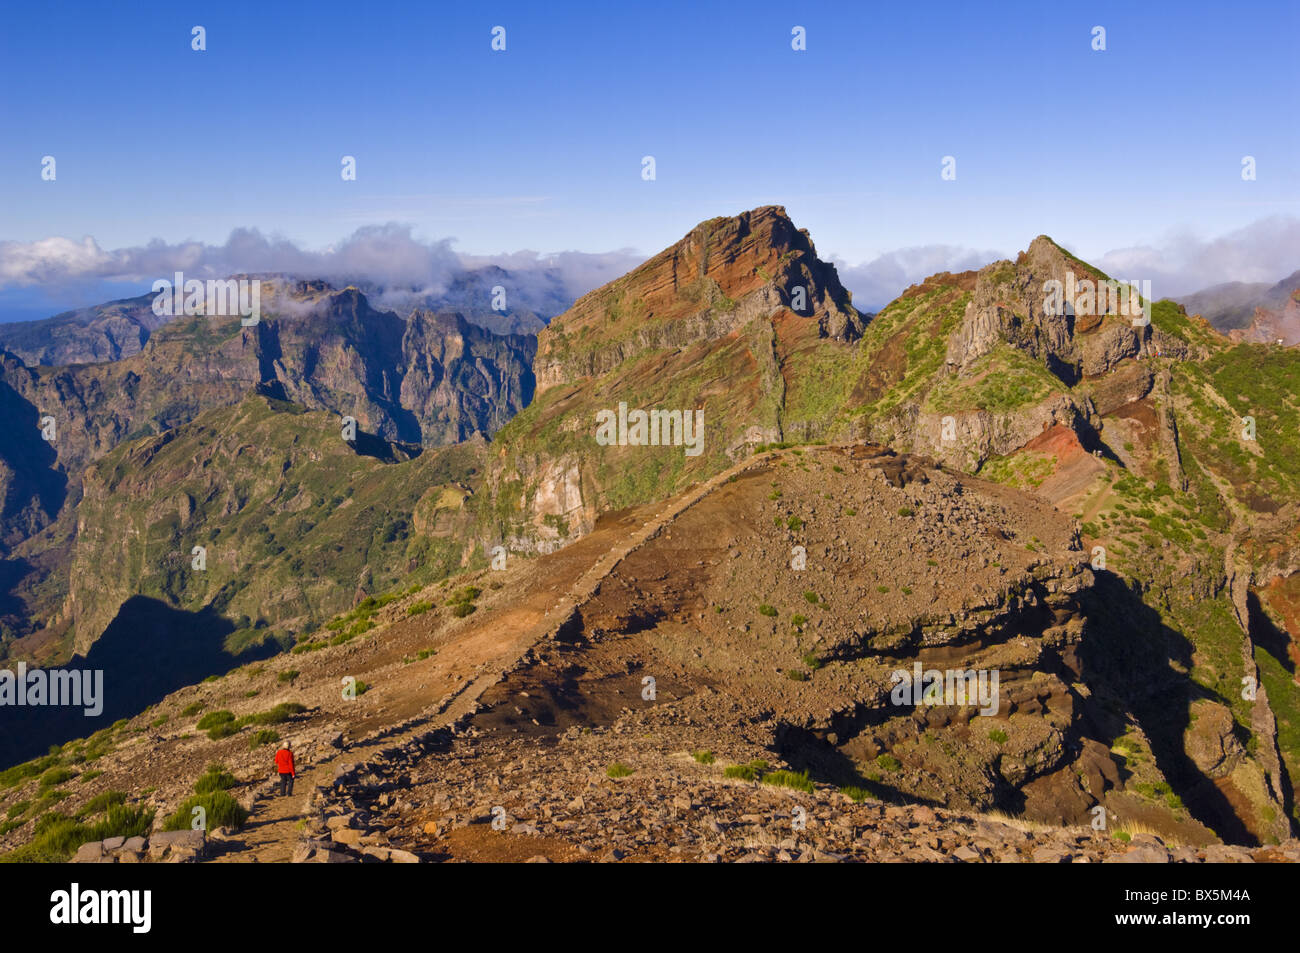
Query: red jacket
x=284, y=761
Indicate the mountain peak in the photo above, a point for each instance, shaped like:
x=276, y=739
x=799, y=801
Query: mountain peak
x=724, y=273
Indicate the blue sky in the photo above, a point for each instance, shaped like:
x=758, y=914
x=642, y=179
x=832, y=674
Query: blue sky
x=540, y=147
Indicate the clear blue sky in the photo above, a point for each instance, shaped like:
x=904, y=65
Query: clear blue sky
x=540, y=147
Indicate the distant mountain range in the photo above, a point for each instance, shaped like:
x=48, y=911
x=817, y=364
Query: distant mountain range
x=1259, y=312
x=489, y=297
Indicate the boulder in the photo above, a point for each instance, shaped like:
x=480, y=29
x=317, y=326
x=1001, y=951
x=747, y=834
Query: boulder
x=89, y=853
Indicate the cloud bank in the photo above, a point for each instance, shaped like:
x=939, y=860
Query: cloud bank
x=391, y=258
x=876, y=283
x=384, y=256
x=1265, y=251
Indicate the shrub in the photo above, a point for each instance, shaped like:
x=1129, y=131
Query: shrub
x=797, y=619
x=888, y=762
x=464, y=594
x=223, y=730
x=418, y=608
x=812, y=597
x=222, y=811
x=158, y=722
x=746, y=772
x=214, y=718
x=812, y=661
x=280, y=713
x=767, y=610
x=703, y=757
x=286, y=677
x=618, y=770
x=215, y=778
x=789, y=779
x=906, y=511
x=856, y=793
x=56, y=776
x=998, y=735
x=462, y=609
x=102, y=802
x=796, y=675
x=263, y=736
x=30, y=769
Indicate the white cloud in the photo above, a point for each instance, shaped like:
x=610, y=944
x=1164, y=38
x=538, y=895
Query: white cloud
x=1183, y=263
x=876, y=283
x=384, y=255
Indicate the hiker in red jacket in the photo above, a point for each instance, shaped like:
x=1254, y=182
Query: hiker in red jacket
x=284, y=764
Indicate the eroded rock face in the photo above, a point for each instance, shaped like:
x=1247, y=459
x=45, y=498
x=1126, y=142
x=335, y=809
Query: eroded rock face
x=717, y=279
x=558, y=509
x=1010, y=304
x=1210, y=741
x=965, y=439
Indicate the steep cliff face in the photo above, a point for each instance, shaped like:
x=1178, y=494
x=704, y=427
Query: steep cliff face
x=1013, y=303
x=291, y=518
x=429, y=379
x=105, y=332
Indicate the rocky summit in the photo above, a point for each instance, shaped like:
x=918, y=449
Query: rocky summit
x=712, y=567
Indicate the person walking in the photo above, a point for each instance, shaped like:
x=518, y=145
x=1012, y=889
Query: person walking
x=284, y=765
